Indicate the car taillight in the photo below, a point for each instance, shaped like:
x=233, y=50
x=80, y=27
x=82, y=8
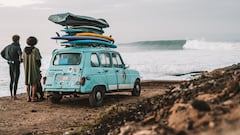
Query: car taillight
x=83, y=79
x=44, y=80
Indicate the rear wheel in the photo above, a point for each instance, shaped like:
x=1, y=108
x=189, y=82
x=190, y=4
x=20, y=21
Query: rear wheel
x=97, y=96
x=55, y=97
x=137, y=88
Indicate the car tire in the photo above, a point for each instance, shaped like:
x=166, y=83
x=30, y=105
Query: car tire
x=96, y=96
x=55, y=97
x=137, y=88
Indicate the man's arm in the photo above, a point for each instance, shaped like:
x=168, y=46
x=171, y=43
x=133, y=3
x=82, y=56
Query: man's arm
x=3, y=53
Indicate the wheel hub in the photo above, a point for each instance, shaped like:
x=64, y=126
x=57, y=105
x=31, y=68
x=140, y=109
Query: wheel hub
x=137, y=88
x=98, y=96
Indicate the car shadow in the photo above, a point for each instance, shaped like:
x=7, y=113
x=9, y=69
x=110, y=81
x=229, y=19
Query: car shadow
x=82, y=101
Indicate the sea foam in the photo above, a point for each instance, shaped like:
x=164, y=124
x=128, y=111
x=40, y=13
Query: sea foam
x=206, y=45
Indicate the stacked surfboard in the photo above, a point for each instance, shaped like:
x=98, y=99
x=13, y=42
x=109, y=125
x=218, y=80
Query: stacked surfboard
x=82, y=30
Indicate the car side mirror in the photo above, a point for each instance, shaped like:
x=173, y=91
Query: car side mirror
x=126, y=66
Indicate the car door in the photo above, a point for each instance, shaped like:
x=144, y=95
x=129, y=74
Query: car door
x=121, y=71
x=109, y=71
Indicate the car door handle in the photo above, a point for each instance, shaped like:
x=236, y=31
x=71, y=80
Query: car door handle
x=100, y=72
x=105, y=70
x=117, y=70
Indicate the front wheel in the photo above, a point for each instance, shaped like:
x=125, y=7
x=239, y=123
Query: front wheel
x=137, y=88
x=96, y=96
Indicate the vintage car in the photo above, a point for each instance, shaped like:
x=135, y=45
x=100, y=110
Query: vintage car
x=89, y=70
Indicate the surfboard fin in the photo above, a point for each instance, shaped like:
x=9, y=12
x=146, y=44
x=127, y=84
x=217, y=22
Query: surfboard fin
x=58, y=34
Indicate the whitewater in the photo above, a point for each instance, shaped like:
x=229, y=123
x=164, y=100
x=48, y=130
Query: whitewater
x=178, y=59
x=157, y=60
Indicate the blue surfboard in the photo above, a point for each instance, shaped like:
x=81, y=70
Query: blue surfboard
x=70, y=38
x=80, y=30
x=90, y=43
x=84, y=26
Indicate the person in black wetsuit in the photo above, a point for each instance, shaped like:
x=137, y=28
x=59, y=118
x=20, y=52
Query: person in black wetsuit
x=13, y=54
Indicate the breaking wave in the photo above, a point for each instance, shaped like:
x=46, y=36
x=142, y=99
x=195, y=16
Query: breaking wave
x=182, y=44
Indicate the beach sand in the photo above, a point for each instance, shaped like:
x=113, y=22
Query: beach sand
x=207, y=105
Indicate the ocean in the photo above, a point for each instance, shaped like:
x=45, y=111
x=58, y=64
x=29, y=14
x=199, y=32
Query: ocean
x=157, y=60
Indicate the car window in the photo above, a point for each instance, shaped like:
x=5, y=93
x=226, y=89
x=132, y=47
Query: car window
x=94, y=60
x=117, y=62
x=105, y=59
x=67, y=59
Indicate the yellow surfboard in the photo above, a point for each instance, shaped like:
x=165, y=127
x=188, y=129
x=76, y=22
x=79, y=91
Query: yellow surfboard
x=95, y=35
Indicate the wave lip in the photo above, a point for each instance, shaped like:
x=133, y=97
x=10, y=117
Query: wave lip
x=157, y=45
x=182, y=44
x=206, y=45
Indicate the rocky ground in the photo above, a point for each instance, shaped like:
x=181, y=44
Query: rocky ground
x=207, y=105
x=204, y=106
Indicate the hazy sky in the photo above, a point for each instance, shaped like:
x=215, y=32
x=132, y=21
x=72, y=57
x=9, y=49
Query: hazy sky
x=130, y=20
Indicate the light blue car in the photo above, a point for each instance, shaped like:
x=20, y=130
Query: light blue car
x=89, y=70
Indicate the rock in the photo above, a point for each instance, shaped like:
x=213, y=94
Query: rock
x=211, y=124
x=159, y=115
x=181, y=115
x=66, y=133
x=200, y=105
x=206, y=97
x=33, y=110
x=178, y=88
x=126, y=130
x=181, y=133
x=149, y=120
x=228, y=102
x=145, y=132
x=28, y=133
x=211, y=81
x=191, y=86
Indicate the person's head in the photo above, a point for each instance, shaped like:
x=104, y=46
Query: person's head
x=32, y=41
x=15, y=38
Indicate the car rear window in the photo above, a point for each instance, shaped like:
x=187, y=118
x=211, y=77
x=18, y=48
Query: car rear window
x=67, y=59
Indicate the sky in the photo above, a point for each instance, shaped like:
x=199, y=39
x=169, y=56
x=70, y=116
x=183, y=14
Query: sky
x=130, y=20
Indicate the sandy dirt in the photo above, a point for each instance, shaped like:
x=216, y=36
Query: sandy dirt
x=21, y=117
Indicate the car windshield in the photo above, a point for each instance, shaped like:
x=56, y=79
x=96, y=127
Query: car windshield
x=67, y=59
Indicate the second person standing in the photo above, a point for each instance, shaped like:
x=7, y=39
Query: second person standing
x=32, y=63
